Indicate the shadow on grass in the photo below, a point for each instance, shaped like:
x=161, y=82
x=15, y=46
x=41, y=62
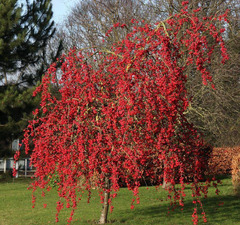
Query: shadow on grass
x=218, y=209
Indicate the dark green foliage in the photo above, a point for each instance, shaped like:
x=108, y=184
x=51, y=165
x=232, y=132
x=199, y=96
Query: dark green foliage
x=23, y=34
x=33, y=75
x=15, y=111
x=25, y=55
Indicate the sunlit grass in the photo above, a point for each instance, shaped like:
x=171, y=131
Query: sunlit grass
x=16, y=207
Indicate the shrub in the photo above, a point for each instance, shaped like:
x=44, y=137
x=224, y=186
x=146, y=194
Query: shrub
x=236, y=174
x=221, y=160
x=6, y=176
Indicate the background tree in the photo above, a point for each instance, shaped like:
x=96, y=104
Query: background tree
x=15, y=111
x=23, y=34
x=26, y=52
x=32, y=75
x=89, y=21
x=17, y=103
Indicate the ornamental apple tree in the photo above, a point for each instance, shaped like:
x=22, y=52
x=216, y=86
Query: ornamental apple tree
x=122, y=120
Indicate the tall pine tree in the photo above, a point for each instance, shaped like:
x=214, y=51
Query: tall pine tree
x=23, y=34
x=25, y=31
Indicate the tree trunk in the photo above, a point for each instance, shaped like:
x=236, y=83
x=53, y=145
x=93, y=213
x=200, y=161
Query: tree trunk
x=5, y=77
x=104, y=213
x=166, y=185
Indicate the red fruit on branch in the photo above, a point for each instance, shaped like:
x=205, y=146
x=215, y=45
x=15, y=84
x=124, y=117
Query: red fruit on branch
x=123, y=120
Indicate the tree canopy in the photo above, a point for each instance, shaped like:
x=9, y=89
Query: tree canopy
x=215, y=113
x=124, y=119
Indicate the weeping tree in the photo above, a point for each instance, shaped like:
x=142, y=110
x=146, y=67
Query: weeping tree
x=124, y=120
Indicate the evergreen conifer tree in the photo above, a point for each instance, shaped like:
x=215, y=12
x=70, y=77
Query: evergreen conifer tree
x=23, y=34
x=25, y=31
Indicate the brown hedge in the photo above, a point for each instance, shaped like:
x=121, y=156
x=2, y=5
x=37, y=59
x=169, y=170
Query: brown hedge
x=220, y=161
x=236, y=173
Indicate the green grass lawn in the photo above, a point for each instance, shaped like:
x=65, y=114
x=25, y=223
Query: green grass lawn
x=16, y=207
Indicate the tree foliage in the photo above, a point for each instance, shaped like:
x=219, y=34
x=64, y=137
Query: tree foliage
x=23, y=34
x=124, y=120
x=215, y=113
x=15, y=112
x=25, y=54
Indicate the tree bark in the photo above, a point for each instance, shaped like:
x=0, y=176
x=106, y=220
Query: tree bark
x=166, y=185
x=104, y=213
x=5, y=77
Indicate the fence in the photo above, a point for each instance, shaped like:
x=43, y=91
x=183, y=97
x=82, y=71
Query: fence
x=22, y=165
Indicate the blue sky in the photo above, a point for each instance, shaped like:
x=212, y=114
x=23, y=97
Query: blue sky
x=61, y=9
